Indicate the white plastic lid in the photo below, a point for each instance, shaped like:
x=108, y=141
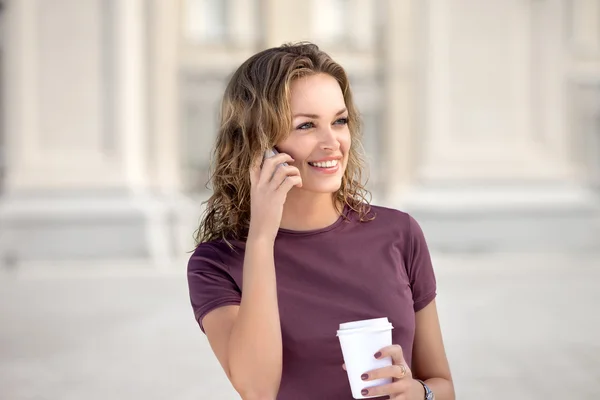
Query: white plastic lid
x=365, y=323
x=365, y=329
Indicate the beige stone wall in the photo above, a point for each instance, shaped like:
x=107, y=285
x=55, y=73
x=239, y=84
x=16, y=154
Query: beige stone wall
x=449, y=89
x=349, y=30
x=111, y=96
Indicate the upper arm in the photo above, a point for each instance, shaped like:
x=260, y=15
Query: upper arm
x=211, y=285
x=218, y=324
x=429, y=356
x=215, y=298
x=419, y=267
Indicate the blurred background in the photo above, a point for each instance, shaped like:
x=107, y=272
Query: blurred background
x=481, y=119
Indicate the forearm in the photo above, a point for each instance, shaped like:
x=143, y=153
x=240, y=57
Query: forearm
x=255, y=350
x=443, y=389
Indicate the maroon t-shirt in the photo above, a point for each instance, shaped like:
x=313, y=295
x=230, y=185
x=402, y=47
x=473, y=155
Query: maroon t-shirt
x=348, y=271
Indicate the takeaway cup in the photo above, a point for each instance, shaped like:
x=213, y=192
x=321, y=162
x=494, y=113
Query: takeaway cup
x=360, y=340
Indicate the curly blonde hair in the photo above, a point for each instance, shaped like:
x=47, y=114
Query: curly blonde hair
x=256, y=115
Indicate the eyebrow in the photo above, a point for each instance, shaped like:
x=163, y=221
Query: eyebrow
x=315, y=116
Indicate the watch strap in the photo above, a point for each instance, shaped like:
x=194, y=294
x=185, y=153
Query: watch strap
x=428, y=393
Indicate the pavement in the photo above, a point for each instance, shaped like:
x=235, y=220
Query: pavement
x=516, y=326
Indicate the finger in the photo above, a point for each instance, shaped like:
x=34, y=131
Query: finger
x=344, y=367
x=393, y=389
x=272, y=163
x=393, y=351
x=391, y=371
x=289, y=183
x=282, y=173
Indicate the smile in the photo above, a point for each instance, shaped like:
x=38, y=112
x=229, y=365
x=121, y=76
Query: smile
x=324, y=164
x=325, y=167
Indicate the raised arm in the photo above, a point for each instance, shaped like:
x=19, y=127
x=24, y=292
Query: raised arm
x=247, y=338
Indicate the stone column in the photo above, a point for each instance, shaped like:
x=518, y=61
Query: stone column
x=55, y=98
x=493, y=167
x=78, y=178
x=163, y=94
x=167, y=107
x=398, y=72
x=285, y=21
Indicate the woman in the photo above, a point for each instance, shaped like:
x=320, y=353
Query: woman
x=295, y=234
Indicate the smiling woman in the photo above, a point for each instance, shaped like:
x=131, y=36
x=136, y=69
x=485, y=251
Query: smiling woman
x=320, y=140
x=299, y=100
x=290, y=247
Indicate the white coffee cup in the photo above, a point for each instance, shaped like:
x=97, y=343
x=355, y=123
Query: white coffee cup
x=360, y=340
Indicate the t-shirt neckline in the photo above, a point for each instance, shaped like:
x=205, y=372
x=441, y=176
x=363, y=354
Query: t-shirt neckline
x=338, y=222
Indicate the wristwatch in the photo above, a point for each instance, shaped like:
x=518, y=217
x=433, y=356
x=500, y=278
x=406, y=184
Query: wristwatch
x=428, y=393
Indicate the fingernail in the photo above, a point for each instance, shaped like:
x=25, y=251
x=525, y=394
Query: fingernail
x=378, y=354
x=364, y=392
x=364, y=377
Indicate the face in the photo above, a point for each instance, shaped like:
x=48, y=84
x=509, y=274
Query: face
x=320, y=138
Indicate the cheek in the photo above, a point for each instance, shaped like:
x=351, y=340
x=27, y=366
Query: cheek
x=291, y=151
x=345, y=142
x=295, y=147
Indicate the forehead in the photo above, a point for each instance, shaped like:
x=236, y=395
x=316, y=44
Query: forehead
x=320, y=91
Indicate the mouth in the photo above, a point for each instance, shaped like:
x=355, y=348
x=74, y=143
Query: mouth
x=329, y=166
x=324, y=164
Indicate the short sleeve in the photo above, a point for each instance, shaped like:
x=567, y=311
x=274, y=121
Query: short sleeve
x=210, y=284
x=420, y=268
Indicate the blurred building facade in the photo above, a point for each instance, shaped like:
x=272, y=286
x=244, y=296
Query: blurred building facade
x=481, y=118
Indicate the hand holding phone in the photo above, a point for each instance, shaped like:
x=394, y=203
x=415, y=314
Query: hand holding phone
x=271, y=153
x=270, y=184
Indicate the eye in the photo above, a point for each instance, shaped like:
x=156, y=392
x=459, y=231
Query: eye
x=305, y=126
x=341, y=121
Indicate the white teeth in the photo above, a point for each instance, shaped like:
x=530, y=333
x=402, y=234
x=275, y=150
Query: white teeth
x=325, y=164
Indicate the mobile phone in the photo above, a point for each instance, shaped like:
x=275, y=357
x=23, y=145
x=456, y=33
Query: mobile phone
x=272, y=152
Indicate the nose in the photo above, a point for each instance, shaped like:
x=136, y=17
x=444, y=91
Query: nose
x=329, y=140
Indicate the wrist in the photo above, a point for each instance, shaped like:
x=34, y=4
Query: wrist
x=418, y=391
x=256, y=238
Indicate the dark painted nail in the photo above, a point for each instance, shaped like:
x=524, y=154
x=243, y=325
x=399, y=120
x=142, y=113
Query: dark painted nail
x=378, y=354
x=364, y=377
x=364, y=392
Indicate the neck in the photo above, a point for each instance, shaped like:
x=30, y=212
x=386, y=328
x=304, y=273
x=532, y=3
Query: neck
x=305, y=211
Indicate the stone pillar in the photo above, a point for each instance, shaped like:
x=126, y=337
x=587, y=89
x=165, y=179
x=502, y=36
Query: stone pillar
x=493, y=168
x=163, y=94
x=2, y=99
x=166, y=109
x=78, y=183
x=131, y=71
x=398, y=72
x=483, y=92
x=583, y=69
x=244, y=30
x=285, y=21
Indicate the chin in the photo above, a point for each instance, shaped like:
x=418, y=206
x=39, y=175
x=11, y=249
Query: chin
x=323, y=188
